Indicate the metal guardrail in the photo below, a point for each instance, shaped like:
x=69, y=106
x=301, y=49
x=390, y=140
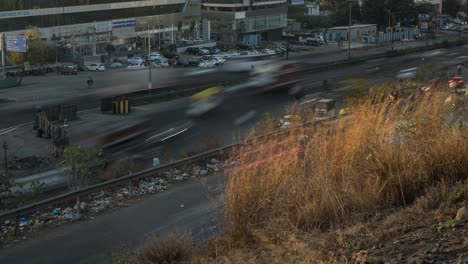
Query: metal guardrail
x=31, y=208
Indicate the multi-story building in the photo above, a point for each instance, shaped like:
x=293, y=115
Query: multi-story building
x=88, y=26
x=248, y=21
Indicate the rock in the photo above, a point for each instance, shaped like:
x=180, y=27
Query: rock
x=179, y=178
x=203, y=172
x=182, y=205
x=7, y=222
x=462, y=214
x=71, y=216
x=67, y=211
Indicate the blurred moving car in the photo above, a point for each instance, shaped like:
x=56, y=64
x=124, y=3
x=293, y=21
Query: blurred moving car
x=456, y=82
x=276, y=75
x=406, y=74
x=205, y=101
x=96, y=67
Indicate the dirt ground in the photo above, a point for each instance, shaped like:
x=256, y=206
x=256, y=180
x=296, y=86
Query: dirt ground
x=424, y=232
x=27, y=154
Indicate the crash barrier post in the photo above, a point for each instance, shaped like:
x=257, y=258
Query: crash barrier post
x=121, y=105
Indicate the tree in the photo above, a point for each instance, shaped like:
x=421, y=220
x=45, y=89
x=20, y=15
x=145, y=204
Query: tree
x=80, y=165
x=340, y=9
x=451, y=7
x=110, y=49
x=16, y=58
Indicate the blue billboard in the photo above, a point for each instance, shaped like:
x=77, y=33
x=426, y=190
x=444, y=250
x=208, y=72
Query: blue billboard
x=297, y=2
x=16, y=43
x=126, y=23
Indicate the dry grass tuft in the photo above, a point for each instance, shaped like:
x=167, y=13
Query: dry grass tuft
x=176, y=248
x=384, y=155
x=121, y=168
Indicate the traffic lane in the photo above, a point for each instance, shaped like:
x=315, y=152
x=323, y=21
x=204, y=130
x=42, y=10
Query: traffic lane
x=190, y=207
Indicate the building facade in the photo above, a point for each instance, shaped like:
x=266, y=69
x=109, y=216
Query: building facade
x=88, y=26
x=247, y=21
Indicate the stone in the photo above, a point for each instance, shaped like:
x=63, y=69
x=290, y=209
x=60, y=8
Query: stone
x=67, y=211
x=462, y=214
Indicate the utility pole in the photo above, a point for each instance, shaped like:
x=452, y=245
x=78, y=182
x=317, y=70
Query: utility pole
x=349, y=29
x=2, y=46
x=390, y=26
x=5, y=148
x=149, y=62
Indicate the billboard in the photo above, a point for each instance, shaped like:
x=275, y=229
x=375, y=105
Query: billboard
x=127, y=23
x=16, y=43
x=297, y=2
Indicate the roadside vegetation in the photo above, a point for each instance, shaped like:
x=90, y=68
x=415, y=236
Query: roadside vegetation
x=309, y=195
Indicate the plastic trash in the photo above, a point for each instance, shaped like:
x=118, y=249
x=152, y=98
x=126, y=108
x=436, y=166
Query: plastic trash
x=24, y=219
x=56, y=211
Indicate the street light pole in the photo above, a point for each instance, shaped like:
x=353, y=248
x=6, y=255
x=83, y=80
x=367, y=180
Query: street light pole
x=349, y=30
x=5, y=148
x=149, y=62
x=390, y=26
x=2, y=46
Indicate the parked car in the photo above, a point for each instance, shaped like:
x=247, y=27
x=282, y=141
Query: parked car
x=169, y=54
x=218, y=60
x=155, y=55
x=206, y=64
x=116, y=65
x=135, y=60
x=223, y=55
x=160, y=63
x=232, y=54
x=213, y=50
x=96, y=67
x=68, y=70
x=134, y=66
x=182, y=63
x=192, y=50
x=195, y=61
x=245, y=47
x=268, y=51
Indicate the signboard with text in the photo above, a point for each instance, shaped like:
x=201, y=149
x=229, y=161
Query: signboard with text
x=16, y=43
x=127, y=23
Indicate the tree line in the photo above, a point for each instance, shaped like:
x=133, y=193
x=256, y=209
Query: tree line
x=381, y=12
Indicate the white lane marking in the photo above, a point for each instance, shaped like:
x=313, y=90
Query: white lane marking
x=173, y=135
x=160, y=134
x=376, y=60
x=244, y=118
x=5, y=131
x=461, y=57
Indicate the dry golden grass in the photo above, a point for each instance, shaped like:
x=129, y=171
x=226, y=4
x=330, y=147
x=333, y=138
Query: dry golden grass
x=384, y=155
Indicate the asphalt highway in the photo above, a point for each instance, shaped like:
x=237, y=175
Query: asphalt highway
x=91, y=241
